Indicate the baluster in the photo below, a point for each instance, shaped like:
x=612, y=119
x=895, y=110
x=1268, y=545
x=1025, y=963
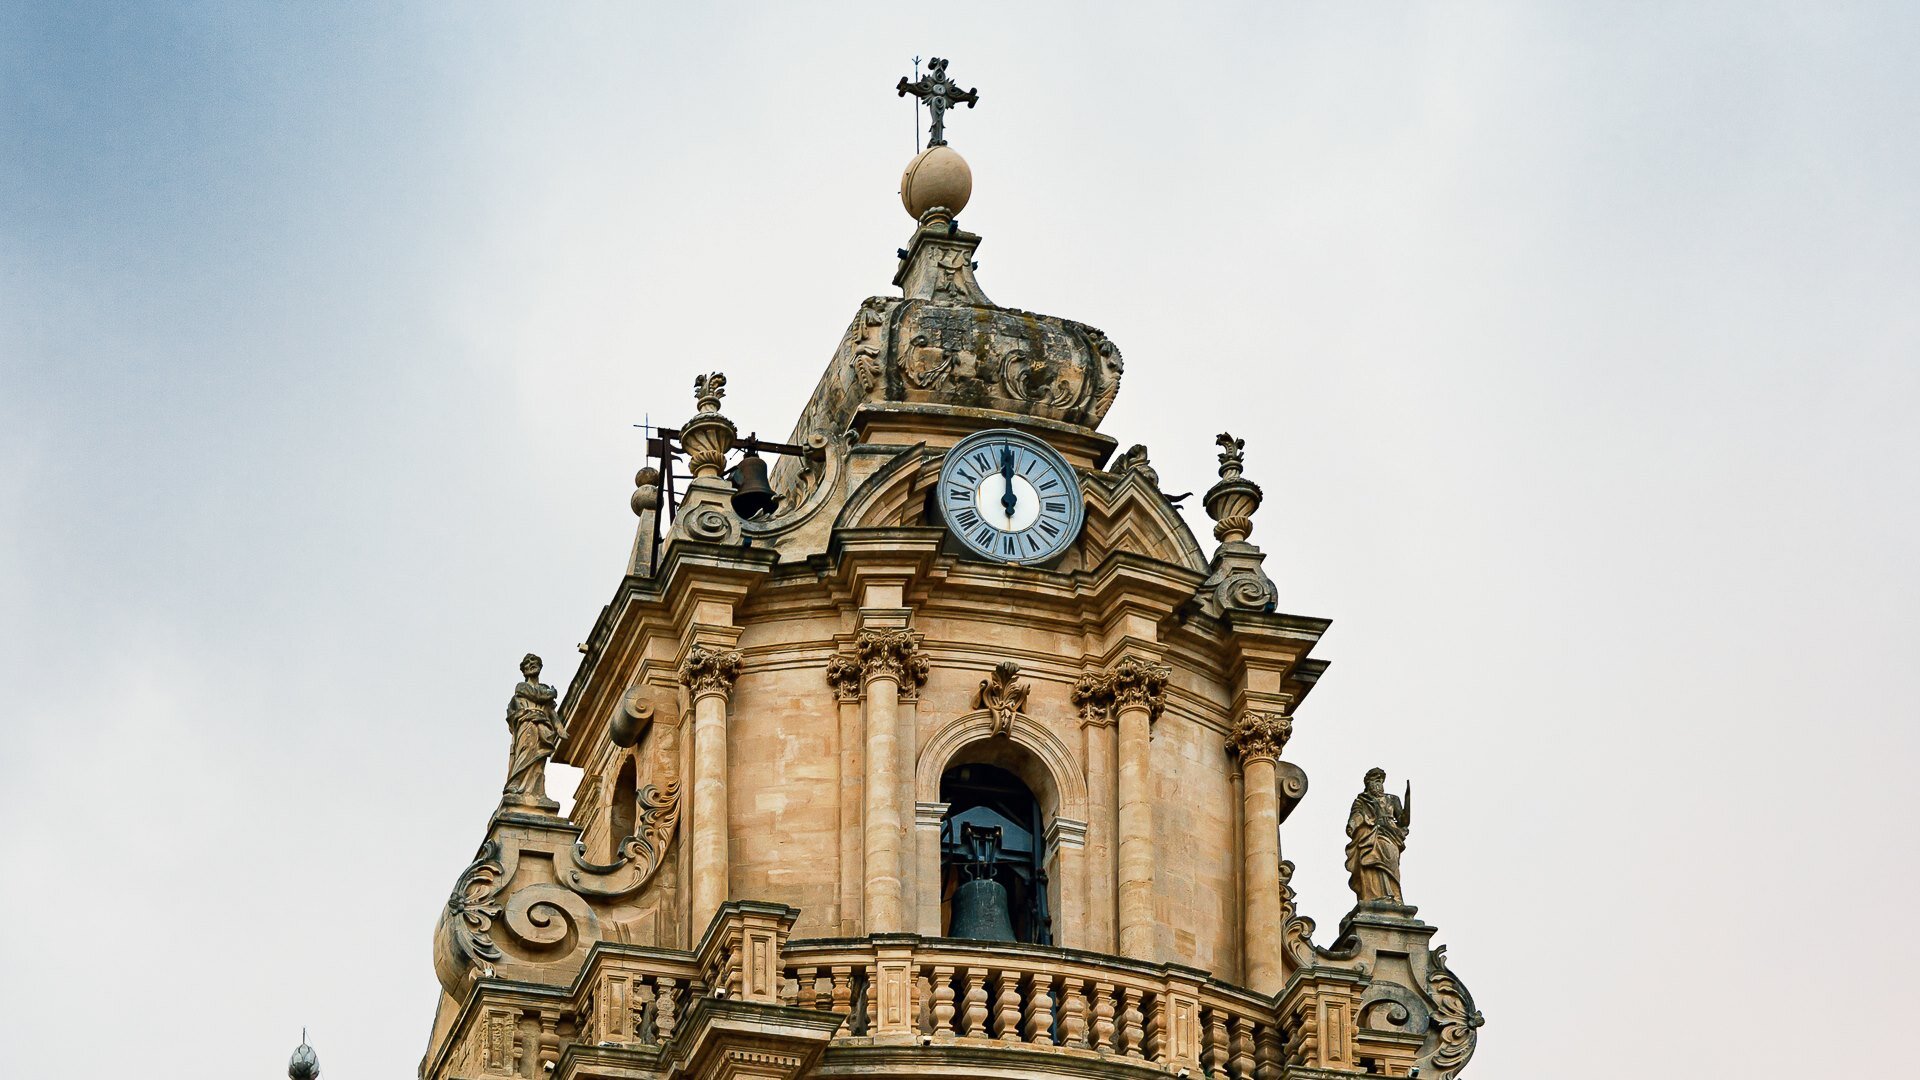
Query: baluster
x=1133, y=1030
x=1159, y=1048
x=1267, y=1064
x=842, y=994
x=1073, y=1013
x=870, y=997
x=1007, y=1006
x=1214, y=1057
x=1241, y=1065
x=549, y=1040
x=1103, y=1017
x=922, y=1004
x=975, y=1017
x=665, y=1008
x=943, y=1000
x=818, y=989
x=1039, y=1025
x=640, y=1011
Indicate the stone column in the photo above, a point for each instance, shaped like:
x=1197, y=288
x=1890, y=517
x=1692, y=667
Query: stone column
x=927, y=817
x=1137, y=688
x=1258, y=738
x=887, y=658
x=843, y=674
x=1093, y=694
x=708, y=675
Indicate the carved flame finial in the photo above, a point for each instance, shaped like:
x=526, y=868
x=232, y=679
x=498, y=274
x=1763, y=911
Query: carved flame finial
x=708, y=436
x=1232, y=453
x=708, y=389
x=1232, y=501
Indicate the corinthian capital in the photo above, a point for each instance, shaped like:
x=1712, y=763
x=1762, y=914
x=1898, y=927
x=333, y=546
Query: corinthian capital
x=709, y=671
x=1260, y=735
x=843, y=674
x=1139, y=684
x=893, y=654
x=1093, y=696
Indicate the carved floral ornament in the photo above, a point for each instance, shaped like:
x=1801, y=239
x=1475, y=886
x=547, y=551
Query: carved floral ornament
x=1001, y=696
x=843, y=673
x=1455, y=1020
x=1140, y=684
x=1131, y=683
x=709, y=671
x=893, y=654
x=1260, y=735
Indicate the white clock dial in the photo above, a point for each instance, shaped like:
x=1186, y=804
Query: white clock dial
x=1010, y=497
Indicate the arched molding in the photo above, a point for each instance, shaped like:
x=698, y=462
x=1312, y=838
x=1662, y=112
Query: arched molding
x=893, y=494
x=1130, y=514
x=1061, y=786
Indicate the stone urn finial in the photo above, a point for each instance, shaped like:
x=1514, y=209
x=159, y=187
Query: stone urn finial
x=1232, y=501
x=708, y=436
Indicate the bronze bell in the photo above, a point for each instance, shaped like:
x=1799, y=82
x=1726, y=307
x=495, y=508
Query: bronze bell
x=752, y=494
x=980, y=912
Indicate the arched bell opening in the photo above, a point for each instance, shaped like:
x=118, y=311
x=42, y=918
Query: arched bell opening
x=993, y=876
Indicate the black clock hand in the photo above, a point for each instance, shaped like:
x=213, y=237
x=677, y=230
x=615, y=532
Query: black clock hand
x=1007, y=499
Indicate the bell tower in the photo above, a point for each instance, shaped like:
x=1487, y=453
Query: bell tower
x=931, y=741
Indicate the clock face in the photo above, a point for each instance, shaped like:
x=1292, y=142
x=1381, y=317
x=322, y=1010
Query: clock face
x=1010, y=497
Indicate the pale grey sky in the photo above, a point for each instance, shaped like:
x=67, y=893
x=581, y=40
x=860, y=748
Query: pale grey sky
x=1574, y=344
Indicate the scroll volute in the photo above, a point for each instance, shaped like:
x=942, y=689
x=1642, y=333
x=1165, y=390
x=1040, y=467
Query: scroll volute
x=632, y=719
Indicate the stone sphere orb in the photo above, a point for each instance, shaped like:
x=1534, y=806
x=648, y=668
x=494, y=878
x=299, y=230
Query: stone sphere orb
x=938, y=177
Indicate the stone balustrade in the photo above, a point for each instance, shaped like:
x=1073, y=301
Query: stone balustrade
x=885, y=990
x=907, y=989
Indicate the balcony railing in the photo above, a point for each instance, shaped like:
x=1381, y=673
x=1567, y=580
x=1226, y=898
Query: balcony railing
x=889, y=989
x=905, y=988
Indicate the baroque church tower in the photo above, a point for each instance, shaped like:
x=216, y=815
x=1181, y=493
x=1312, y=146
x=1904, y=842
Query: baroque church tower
x=937, y=746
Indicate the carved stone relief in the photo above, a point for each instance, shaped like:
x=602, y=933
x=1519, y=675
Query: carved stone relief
x=1001, y=696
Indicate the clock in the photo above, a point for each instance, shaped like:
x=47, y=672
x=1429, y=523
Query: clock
x=1009, y=497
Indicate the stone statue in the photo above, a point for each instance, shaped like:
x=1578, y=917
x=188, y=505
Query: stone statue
x=536, y=732
x=1376, y=835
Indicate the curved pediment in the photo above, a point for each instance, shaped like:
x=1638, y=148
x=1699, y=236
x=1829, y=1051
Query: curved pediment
x=1128, y=513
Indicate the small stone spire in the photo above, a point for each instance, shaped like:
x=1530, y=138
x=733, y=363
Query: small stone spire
x=305, y=1064
x=1235, y=580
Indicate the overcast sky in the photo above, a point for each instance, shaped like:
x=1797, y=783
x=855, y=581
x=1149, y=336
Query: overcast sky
x=1574, y=345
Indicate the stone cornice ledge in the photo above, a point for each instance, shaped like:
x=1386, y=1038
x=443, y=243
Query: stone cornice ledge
x=722, y=1038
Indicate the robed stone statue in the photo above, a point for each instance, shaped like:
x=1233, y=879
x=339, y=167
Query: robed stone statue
x=1376, y=835
x=536, y=732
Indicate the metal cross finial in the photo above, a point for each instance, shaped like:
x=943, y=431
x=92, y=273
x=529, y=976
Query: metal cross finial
x=940, y=94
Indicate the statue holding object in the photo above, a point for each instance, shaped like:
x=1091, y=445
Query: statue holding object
x=532, y=718
x=1376, y=835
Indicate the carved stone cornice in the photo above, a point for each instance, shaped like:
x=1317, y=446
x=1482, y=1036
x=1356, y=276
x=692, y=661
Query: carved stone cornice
x=709, y=671
x=1001, y=696
x=893, y=654
x=843, y=674
x=1260, y=735
x=1139, y=683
